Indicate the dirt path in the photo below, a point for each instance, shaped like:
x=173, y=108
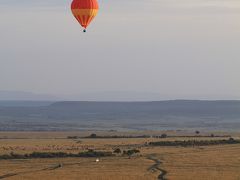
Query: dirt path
x=8, y=175
x=50, y=168
x=26, y=172
x=155, y=166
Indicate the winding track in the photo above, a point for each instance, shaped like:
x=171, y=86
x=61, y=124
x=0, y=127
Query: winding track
x=152, y=157
x=50, y=168
x=155, y=166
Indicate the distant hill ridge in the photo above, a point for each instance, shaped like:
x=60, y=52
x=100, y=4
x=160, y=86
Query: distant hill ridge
x=69, y=115
x=144, y=102
x=174, y=107
x=169, y=103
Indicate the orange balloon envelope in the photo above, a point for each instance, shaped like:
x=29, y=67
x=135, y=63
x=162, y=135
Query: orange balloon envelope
x=84, y=11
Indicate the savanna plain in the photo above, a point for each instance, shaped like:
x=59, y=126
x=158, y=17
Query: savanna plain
x=127, y=156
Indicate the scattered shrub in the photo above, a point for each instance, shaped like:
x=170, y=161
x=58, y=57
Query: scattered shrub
x=131, y=152
x=117, y=151
x=116, y=136
x=92, y=153
x=73, y=137
x=163, y=136
x=93, y=136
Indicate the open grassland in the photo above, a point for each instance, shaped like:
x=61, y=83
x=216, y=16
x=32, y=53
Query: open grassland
x=203, y=163
x=79, y=168
x=220, y=162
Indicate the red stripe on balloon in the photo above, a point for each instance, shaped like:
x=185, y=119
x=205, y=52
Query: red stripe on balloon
x=84, y=4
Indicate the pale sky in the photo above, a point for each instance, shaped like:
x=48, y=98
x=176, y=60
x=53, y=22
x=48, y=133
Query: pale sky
x=176, y=48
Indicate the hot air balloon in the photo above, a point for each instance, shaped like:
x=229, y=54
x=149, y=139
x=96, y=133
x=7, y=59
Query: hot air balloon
x=84, y=11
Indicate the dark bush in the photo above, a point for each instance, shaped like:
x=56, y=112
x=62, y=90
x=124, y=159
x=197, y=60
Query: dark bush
x=131, y=152
x=91, y=153
x=117, y=151
x=93, y=136
x=197, y=132
x=163, y=136
x=48, y=154
x=73, y=137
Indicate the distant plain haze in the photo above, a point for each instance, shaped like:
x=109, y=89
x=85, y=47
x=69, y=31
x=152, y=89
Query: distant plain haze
x=155, y=49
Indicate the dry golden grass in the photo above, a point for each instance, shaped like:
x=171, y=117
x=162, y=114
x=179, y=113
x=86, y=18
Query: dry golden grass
x=221, y=162
x=79, y=168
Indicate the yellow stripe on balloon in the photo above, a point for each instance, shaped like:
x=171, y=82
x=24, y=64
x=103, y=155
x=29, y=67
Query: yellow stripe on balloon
x=85, y=16
x=85, y=12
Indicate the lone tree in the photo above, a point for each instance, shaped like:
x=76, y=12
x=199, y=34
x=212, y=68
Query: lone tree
x=197, y=132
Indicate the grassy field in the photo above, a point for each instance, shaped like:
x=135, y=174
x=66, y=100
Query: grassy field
x=180, y=163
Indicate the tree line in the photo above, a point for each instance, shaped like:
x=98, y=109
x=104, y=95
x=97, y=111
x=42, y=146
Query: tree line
x=186, y=143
